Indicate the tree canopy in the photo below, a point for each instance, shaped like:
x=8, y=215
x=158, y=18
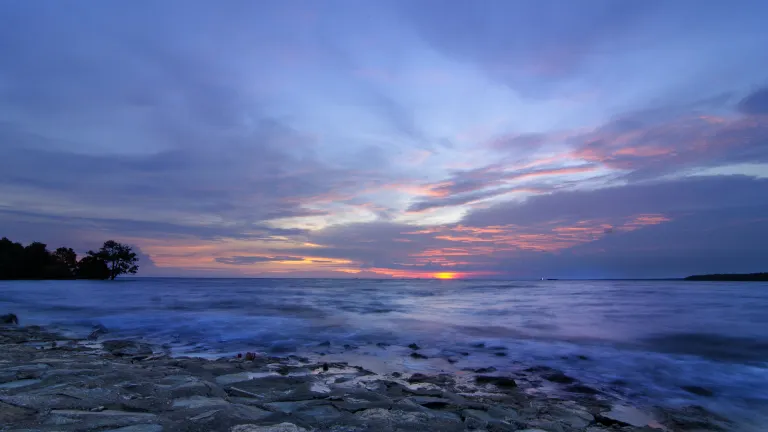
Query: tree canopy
x=34, y=261
x=120, y=259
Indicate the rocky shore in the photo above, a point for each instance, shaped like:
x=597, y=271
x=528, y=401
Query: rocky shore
x=52, y=383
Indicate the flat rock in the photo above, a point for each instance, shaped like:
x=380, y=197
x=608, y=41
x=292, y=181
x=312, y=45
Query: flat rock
x=195, y=402
x=19, y=384
x=10, y=413
x=498, y=381
x=138, y=428
x=625, y=416
x=282, y=427
x=126, y=348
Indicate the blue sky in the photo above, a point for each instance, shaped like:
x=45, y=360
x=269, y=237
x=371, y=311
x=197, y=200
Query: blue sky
x=390, y=139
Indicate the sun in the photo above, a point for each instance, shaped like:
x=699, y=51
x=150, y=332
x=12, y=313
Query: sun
x=444, y=275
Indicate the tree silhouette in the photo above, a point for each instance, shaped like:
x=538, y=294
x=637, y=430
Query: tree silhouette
x=67, y=257
x=120, y=258
x=91, y=267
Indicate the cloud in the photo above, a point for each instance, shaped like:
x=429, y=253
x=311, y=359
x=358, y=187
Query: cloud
x=755, y=103
x=247, y=260
x=268, y=138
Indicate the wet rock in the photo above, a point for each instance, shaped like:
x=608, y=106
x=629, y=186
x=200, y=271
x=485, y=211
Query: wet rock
x=279, y=388
x=354, y=400
x=623, y=415
x=139, y=428
x=431, y=402
x=282, y=427
x=694, y=418
x=575, y=417
x=413, y=346
x=541, y=369
x=195, y=402
x=9, y=319
x=482, y=370
x=418, y=377
x=98, y=419
x=476, y=419
x=126, y=348
x=498, y=381
x=19, y=383
x=98, y=330
x=324, y=344
x=500, y=354
x=580, y=388
x=560, y=378
x=10, y=413
x=698, y=390
x=418, y=355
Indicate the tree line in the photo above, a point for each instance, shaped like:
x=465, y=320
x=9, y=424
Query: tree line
x=35, y=261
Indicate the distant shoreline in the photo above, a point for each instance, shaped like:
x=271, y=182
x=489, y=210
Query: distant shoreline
x=735, y=277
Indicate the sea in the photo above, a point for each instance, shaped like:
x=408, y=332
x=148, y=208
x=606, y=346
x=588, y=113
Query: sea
x=647, y=342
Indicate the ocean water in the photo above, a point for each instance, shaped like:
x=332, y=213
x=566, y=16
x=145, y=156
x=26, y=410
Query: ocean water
x=639, y=340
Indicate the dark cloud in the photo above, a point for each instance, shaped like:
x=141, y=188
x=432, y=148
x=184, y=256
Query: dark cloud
x=755, y=103
x=653, y=148
x=655, y=229
x=246, y=260
x=678, y=196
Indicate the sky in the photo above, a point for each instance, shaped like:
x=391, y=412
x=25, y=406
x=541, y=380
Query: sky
x=400, y=138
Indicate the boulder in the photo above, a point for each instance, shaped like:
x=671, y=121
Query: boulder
x=9, y=319
x=498, y=381
x=126, y=348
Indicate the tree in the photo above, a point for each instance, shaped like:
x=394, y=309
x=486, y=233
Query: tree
x=36, y=260
x=11, y=259
x=91, y=267
x=66, y=257
x=119, y=258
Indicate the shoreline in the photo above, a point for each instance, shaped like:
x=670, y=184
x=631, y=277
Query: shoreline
x=49, y=382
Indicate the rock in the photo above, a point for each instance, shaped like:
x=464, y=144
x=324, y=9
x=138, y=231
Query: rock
x=694, y=418
x=354, y=400
x=125, y=348
x=19, y=383
x=623, y=415
x=481, y=370
x=501, y=382
x=98, y=330
x=575, y=417
x=418, y=355
x=476, y=419
x=282, y=427
x=277, y=388
x=697, y=390
x=580, y=388
x=418, y=377
x=138, y=428
x=100, y=419
x=195, y=402
x=431, y=402
x=559, y=377
x=9, y=319
x=413, y=346
x=540, y=369
x=10, y=414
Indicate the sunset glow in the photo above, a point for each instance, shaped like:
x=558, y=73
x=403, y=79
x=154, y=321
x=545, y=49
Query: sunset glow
x=445, y=275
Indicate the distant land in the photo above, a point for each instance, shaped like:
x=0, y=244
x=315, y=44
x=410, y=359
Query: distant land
x=748, y=277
